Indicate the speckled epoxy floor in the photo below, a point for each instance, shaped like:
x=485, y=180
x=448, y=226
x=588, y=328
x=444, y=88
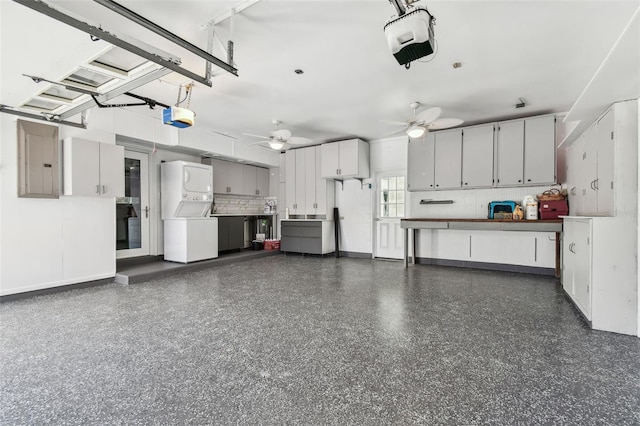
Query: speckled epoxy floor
x=305, y=340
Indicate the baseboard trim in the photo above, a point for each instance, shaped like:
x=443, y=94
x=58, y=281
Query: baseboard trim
x=504, y=267
x=355, y=255
x=52, y=290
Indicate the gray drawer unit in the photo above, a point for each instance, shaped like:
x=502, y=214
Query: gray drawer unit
x=312, y=237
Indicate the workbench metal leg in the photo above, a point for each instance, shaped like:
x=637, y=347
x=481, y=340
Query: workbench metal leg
x=413, y=246
x=406, y=246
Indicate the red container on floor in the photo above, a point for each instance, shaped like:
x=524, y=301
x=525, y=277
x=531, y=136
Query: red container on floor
x=553, y=209
x=268, y=244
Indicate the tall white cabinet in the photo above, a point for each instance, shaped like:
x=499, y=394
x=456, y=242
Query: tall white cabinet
x=600, y=239
x=307, y=193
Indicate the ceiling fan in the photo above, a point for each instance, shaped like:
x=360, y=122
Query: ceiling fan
x=279, y=138
x=421, y=123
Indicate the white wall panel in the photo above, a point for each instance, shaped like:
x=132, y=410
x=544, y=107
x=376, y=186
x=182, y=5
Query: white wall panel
x=355, y=204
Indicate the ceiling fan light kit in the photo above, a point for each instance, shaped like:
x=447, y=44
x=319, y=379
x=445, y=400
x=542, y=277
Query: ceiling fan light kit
x=416, y=131
x=276, y=144
x=429, y=119
x=279, y=139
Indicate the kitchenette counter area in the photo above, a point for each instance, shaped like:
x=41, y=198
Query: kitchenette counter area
x=413, y=224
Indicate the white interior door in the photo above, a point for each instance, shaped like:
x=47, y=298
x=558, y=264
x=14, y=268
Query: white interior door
x=132, y=210
x=390, y=207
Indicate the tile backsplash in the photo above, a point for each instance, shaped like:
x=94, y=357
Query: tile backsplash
x=239, y=204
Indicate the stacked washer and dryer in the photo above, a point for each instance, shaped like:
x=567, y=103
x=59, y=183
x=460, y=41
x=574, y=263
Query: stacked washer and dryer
x=186, y=192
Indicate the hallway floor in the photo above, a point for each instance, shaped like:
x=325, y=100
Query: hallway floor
x=307, y=340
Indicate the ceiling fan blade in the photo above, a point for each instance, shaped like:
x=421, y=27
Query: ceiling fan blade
x=392, y=133
x=281, y=134
x=428, y=116
x=296, y=140
x=445, y=123
x=256, y=136
x=259, y=143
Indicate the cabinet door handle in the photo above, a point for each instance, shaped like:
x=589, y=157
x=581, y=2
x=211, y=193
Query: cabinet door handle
x=104, y=189
x=595, y=184
x=97, y=189
x=528, y=180
x=519, y=180
x=257, y=192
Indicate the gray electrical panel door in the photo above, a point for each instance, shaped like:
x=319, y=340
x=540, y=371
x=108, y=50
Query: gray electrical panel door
x=38, y=160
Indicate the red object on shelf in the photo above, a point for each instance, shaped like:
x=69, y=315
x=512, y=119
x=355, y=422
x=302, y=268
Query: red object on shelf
x=553, y=209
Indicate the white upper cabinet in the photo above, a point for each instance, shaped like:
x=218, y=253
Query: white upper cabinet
x=605, y=141
x=540, y=150
x=249, y=180
x=420, y=162
x=262, y=184
x=477, y=156
x=510, y=153
x=345, y=160
x=602, y=165
x=307, y=193
x=239, y=179
x=283, y=168
x=526, y=151
x=93, y=168
x=448, y=152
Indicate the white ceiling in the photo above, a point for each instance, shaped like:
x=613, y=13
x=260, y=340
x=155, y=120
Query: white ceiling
x=542, y=51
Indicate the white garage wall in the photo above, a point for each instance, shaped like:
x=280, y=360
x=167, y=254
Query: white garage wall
x=51, y=242
x=356, y=202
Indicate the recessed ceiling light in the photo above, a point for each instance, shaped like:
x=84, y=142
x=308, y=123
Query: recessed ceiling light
x=299, y=71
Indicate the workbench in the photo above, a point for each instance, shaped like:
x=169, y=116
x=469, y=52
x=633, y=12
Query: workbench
x=551, y=225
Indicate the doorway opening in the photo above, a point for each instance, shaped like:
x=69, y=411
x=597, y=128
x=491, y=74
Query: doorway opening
x=390, y=207
x=132, y=210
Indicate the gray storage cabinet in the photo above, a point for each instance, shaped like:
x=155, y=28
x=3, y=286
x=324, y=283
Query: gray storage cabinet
x=230, y=233
x=307, y=236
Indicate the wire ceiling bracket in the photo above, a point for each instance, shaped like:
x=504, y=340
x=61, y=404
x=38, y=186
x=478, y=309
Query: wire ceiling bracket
x=155, y=28
x=119, y=41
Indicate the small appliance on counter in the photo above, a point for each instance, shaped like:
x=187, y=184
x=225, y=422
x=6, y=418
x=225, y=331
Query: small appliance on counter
x=530, y=206
x=501, y=209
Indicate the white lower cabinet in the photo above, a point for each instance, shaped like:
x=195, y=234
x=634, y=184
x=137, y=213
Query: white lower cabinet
x=599, y=270
x=530, y=249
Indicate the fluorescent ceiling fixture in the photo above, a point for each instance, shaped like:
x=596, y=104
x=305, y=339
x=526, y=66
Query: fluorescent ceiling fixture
x=119, y=60
x=276, y=144
x=415, y=131
x=84, y=77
